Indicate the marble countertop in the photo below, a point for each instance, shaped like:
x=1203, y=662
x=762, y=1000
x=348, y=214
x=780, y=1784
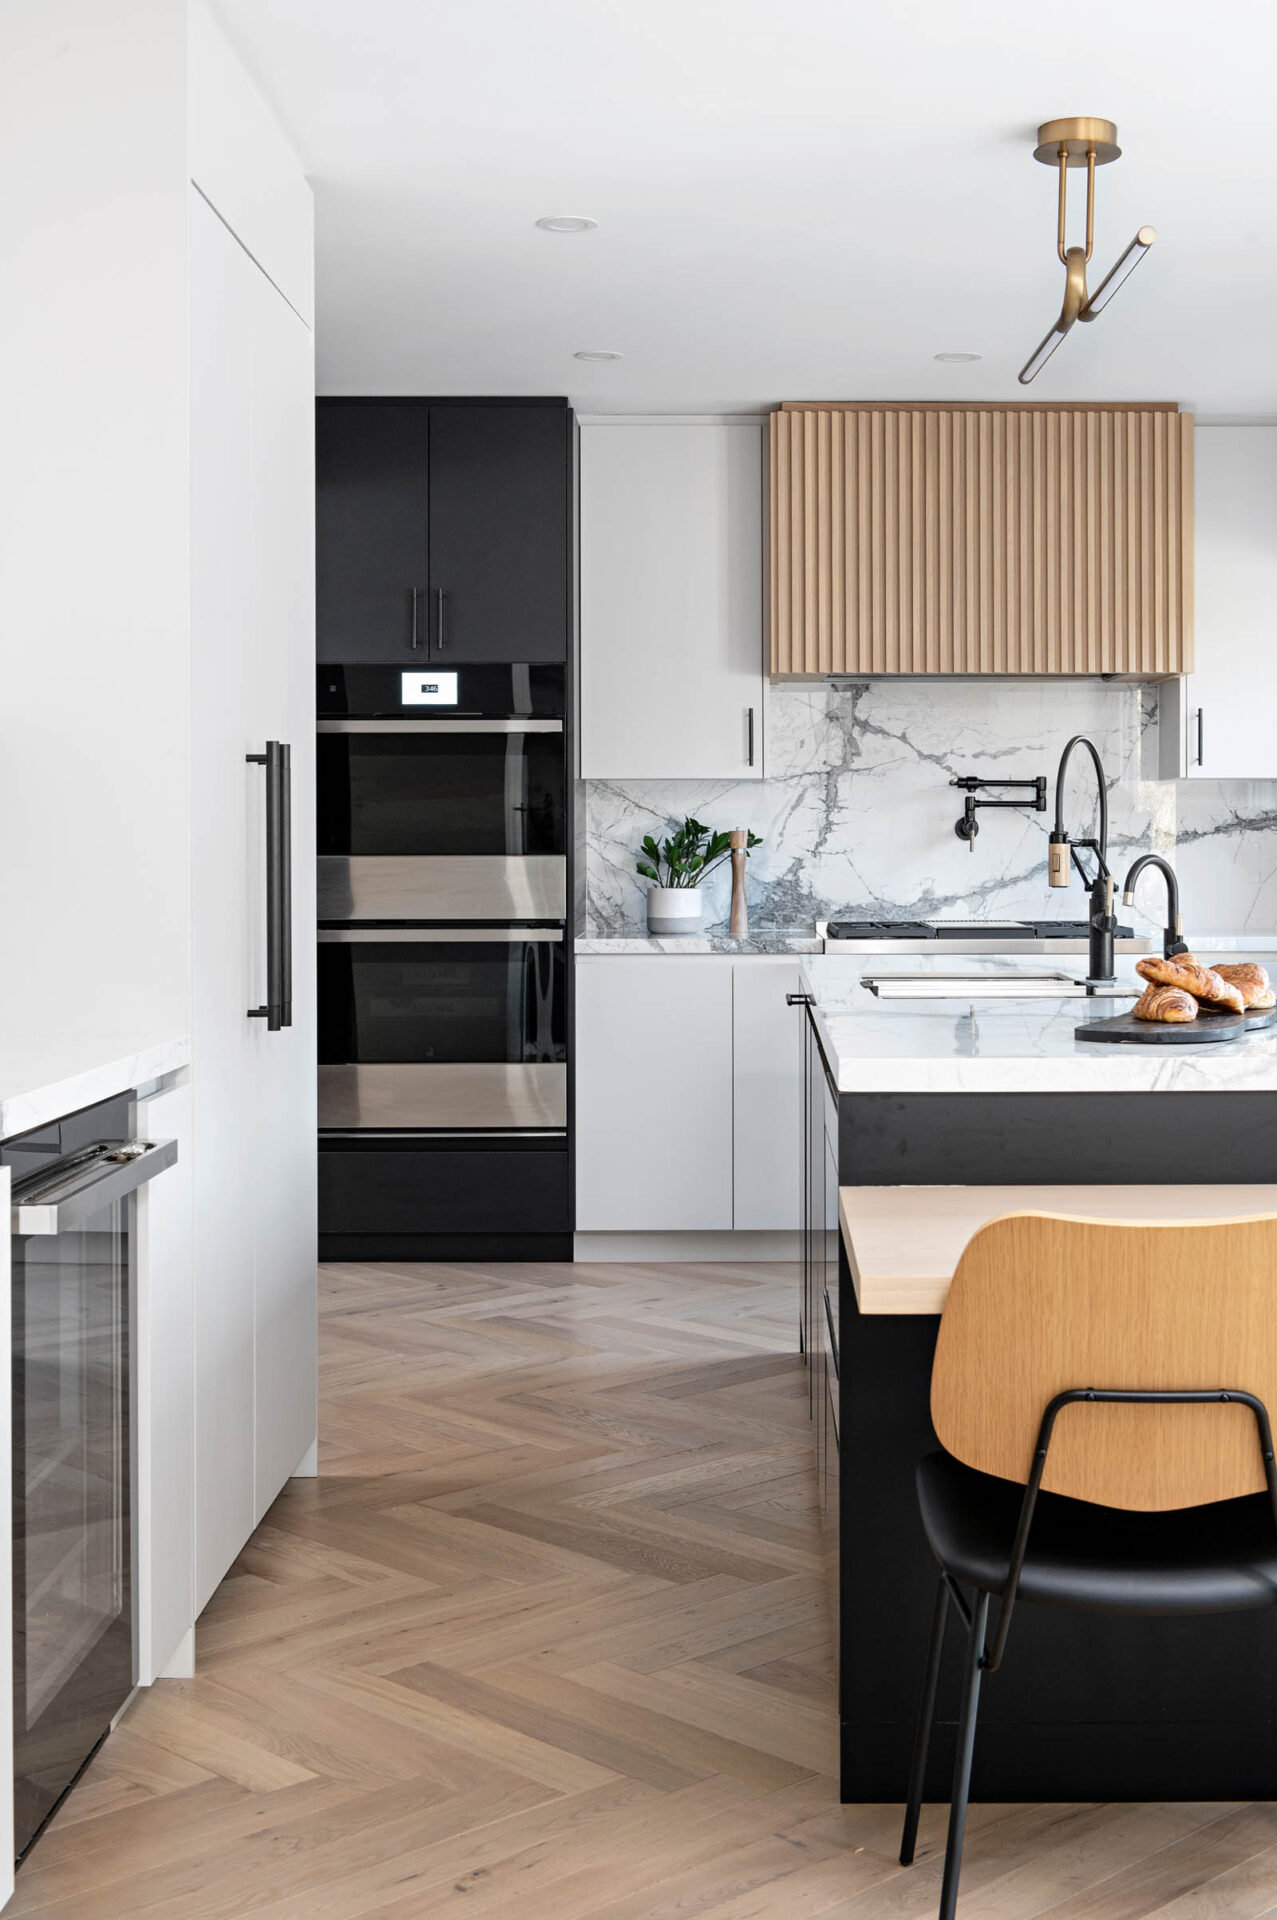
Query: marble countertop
x=43, y=1076
x=974, y=1044
x=803, y=940
x=766, y=940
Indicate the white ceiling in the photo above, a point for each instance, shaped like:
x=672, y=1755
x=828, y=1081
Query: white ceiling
x=801, y=200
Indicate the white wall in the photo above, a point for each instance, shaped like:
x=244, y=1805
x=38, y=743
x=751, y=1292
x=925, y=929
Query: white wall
x=93, y=519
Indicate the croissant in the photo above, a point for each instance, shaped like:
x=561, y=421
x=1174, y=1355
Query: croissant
x=1202, y=982
x=1251, y=981
x=1165, y=1004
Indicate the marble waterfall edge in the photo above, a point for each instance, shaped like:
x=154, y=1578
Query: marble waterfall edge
x=857, y=815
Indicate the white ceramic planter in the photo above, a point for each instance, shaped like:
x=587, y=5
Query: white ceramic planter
x=673, y=909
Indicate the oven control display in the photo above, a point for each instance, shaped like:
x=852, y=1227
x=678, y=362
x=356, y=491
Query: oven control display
x=428, y=689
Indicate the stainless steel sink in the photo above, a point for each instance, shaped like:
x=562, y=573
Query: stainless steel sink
x=989, y=986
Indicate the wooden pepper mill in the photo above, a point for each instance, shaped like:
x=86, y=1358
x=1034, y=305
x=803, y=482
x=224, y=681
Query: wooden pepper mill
x=738, y=926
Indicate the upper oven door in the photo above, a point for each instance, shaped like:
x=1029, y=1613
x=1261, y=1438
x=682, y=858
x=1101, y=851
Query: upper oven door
x=458, y=819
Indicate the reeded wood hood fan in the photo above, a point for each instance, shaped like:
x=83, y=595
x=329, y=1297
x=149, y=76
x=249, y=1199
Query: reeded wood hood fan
x=1081, y=142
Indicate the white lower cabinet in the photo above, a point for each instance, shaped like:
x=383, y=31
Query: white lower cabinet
x=766, y=1095
x=688, y=1094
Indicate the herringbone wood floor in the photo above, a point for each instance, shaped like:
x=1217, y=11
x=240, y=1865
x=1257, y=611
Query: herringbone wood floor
x=547, y=1641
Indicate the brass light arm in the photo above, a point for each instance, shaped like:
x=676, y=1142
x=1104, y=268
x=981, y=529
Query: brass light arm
x=1089, y=143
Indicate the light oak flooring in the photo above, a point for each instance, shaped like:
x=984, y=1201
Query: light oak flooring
x=546, y=1641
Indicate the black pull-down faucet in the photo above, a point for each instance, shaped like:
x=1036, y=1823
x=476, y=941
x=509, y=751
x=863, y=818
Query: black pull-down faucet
x=1102, y=920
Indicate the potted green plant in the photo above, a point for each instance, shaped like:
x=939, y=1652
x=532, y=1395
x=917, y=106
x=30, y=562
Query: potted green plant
x=677, y=867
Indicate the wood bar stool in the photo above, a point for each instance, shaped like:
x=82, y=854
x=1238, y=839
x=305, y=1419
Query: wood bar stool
x=1100, y=1390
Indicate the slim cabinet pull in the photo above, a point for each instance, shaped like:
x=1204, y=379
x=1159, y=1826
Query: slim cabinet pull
x=1200, y=747
x=441, y=642
x=749, y=736
x=415, y=641
x=278, y=762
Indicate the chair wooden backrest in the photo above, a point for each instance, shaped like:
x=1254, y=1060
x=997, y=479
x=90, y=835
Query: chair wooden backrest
x=1041, y=1303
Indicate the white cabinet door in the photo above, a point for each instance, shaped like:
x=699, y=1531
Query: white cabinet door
x=225, y=851
x=653, y=1094
x=1217, y=724
x=672, y=676
x=767, y=1104
x=283, y=1116
x=252, y=636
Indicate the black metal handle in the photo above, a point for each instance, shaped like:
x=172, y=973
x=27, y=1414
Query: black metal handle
x=800, y=999
x=1199, y=737
x=749, y=756
x=415, y=641
x=440, y=643
x=278, y=1010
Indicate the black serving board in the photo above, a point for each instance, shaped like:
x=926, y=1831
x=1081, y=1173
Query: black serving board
x=1186, y=1033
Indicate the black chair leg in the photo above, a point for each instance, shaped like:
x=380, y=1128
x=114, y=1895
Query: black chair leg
x=962, y=1763
x=926, y=1714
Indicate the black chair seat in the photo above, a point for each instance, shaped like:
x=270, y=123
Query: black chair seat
x=1220, y=1558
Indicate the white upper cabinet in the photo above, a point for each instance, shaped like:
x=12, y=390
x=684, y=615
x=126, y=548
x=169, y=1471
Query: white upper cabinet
x=672, y=679
x=1216, y=724
x=244, y=167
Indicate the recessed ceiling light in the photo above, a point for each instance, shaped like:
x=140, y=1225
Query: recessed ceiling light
x=596, y=353
x=566, y=223
x=957, y=359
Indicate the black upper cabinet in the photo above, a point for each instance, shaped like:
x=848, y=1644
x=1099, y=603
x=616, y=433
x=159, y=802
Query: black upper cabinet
x=442, y=531
x=499, y=533
x=372, y=562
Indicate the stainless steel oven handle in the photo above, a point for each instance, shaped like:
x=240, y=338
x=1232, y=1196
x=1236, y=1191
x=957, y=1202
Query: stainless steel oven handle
x=439, y=726
x=431, y=936
x=86, y=1190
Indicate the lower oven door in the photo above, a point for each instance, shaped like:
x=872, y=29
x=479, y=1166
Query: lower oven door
x=450, y=1029
x=72, y=1557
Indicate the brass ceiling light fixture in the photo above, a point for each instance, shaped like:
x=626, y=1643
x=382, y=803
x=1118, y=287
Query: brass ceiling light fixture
x=1081, y=142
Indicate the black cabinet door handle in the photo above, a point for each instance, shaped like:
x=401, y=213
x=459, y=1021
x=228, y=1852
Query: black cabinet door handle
x=749, y=754
x=278, y=1009
x=415, y=641
x=800, y=999
x=1200, y=746
x=441, y=643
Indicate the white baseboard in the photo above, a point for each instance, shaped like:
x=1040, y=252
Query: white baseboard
x=777, y=1244
x=180, y=1664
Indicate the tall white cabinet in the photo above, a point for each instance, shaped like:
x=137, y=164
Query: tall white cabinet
x=252, y=626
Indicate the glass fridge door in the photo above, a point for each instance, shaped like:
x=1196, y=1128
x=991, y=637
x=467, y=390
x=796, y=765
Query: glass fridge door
x=72, y=1552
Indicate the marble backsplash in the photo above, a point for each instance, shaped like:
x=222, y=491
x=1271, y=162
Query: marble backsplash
x=857, y=815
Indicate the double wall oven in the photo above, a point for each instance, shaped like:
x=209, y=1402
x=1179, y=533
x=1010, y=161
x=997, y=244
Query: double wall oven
x=443, y=958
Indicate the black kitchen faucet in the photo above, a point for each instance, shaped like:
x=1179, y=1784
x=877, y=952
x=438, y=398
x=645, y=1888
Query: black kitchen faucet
x=1102, y=922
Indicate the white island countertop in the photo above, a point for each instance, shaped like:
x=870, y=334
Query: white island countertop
x=968, y=1043
x=46, y=1075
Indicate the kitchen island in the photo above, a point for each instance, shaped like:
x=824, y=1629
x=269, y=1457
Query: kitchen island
x=977, y=1090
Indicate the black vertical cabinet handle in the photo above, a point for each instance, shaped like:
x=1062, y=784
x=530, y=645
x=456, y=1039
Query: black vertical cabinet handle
x=441, y=642
x=415, y=641
x=749, y=752
x=1200, y=744
x=278, y=1010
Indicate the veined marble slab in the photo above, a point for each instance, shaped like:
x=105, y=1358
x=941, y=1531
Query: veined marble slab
x=43, y=1076
x=969, y=1043
x=780, y=942
x=857, y=814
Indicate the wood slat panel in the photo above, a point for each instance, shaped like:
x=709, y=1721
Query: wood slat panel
x=981, y=539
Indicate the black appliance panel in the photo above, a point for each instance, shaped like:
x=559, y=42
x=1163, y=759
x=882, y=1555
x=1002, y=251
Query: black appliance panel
x=421, y=1000
x=354, y=690
x=441, y=793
